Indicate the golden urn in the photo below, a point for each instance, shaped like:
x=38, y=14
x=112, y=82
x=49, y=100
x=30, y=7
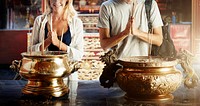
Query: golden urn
x=44, y=72
x=148, y=77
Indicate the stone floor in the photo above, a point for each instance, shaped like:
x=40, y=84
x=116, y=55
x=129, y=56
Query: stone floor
x=90, y=93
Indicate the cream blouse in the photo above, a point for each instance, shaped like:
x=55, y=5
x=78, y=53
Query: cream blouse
x=75, y=50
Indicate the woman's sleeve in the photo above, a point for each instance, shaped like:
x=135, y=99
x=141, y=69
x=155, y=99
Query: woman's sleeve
x=35, y=35
x=75, y=50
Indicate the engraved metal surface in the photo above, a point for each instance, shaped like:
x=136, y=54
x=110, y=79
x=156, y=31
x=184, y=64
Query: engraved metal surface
x=45, y=73
x=148, y=81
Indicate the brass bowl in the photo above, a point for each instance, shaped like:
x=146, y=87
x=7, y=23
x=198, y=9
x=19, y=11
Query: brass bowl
x=148, y=78
x=45, y=73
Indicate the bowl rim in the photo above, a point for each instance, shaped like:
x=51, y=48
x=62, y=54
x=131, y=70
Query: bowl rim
x=47, y=54
x=163, y=62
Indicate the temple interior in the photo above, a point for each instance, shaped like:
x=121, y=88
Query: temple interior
x=16, y=22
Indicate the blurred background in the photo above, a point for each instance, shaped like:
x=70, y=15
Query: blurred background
x=17, y=17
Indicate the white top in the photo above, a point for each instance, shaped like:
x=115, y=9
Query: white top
x=114, y=14
x=75, y=50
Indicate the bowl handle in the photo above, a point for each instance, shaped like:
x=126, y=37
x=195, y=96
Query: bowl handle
x=16, y=64
x=74, y=66
x=107, y=78
x=185, y=59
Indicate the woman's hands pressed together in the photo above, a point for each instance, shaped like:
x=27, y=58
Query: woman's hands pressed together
x=53, y=38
